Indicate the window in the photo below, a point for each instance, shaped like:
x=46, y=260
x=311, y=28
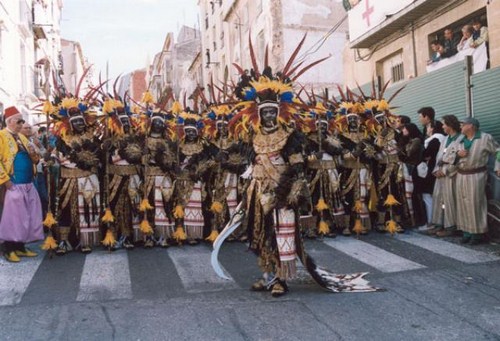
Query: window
x=222, y=38
x=391, y=68
x=397, y=72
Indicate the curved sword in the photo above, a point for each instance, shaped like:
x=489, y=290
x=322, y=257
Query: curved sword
x=232, y=225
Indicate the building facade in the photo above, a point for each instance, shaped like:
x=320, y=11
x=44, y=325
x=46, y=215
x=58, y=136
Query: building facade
x=391, y=39
x=228, y=26
x=29, y=52
x=74, y=66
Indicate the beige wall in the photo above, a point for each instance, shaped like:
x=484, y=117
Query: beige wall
x=363, y=71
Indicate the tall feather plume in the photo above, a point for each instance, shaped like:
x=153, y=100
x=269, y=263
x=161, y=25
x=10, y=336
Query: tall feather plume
x=184, y=102
x=308, y=67
x=395, y=94
x=374, y=91
x=360, y=90
x=77, y=90
x=252, y=57
x=115, y=92
x=381, y=95
x=341, y=92
x=266, y=57
x=286, y=74
x=239, y=68
x=212, y=89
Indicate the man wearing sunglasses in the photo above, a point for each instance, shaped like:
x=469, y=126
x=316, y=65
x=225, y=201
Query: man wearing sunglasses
x=21, y=220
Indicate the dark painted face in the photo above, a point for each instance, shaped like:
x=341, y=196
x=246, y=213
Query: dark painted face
x=78, y=125
x=222, y=128
x=191, y=134
x=323, y=127
x=353, y=122
x=125, y=121
x=157, y=126
x=268, y=116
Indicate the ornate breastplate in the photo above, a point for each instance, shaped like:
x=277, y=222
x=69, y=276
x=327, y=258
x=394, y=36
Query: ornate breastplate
x=270, y=143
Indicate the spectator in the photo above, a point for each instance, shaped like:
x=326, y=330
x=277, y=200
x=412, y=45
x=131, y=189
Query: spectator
x=467, y=40
x=426, y=116
x=39, y=151
x=473, y=153
x=479, y=35
x=22, y=214
x=444, y=206
x=411, y=155
x=425, y=180
x=438, y=50
x=450, y=43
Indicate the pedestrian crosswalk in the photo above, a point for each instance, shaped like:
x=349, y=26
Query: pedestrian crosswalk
x=119, y=275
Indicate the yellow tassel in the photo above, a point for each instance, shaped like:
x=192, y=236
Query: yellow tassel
x=178, y=212
x=391, y=201
x=108, y=216
x=109, y=239
x=358, y=206
x=323, y=228
x=145, y=227
x=213, y=236
x=49, y=220
x=145, y=205
x=216, y=207
x=49, y=243
x=179, y=234
x=321, y=205
x=391, y=226
x=358, y=227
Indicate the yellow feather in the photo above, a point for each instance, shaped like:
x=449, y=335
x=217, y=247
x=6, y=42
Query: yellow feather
x=147, y=97
x=178, y=212
x=383, y=105
x=49, y=220
x=49, y=243
x=179, y=234
x=109, y=239
x=213, y=236
x=108, y=216
x=145, y=227
x=145, y=205
x=216, y=207
x=69, y=103
x=48, y=108
x=323, y=228
x=321, y=205
x=176, y=108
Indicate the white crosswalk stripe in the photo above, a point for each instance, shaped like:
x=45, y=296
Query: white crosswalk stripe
x=105, y=276
x=195, y=271
x=444, y=248
x=15, y=278
x=372, y=255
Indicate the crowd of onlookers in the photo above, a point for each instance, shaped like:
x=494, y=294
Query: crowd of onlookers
x=473, y=35
x=448, y=161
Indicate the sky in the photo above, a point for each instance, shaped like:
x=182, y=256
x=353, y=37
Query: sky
x=127, y=33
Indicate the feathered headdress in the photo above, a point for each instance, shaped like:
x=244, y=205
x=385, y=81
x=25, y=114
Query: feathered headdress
x=258, y=90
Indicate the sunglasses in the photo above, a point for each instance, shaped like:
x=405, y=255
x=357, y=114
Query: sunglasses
x=21, y=121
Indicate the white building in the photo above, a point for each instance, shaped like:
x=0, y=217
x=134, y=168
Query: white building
x=73, y=67
x=228, y=25
x=29, y=51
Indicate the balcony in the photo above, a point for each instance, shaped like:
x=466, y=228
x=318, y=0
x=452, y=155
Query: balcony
x=371, y=21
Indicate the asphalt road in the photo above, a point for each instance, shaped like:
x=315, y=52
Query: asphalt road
x=435, y=290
